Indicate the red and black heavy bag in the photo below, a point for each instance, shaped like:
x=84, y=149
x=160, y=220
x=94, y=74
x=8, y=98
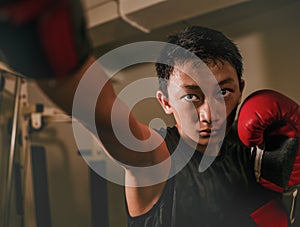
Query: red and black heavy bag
x=43, y=38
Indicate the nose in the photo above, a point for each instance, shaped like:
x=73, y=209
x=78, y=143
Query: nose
x=205, y=113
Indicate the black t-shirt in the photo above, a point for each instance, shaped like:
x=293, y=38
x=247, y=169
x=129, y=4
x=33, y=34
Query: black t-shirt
x=224, y=195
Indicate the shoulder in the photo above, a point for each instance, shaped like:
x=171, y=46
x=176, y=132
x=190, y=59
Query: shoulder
x=168, y=133
x=171, y=137
x=232, y=142
x=236, y=156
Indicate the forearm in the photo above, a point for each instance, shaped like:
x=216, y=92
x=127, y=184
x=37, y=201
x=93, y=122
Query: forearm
x=60, y=49
x=62, y=91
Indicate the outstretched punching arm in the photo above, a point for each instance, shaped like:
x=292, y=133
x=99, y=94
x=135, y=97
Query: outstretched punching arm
x=47, y=39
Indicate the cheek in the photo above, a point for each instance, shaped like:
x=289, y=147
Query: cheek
x=186, y=113
x=231, y=110
x=231, y=105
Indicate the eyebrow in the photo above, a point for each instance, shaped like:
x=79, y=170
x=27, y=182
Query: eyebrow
x=196, y=87
x=191, y=87
x=226, y=81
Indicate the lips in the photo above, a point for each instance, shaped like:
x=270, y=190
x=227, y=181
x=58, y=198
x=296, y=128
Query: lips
x=209, y=132
x=205, y=132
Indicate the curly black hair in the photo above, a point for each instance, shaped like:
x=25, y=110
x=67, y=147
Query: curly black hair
x=208, y=44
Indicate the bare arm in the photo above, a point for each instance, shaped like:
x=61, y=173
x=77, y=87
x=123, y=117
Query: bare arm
x=62, y=93
x=58, y=49
x=139, y=199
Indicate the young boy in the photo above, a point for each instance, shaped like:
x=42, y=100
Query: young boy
x=203, y=98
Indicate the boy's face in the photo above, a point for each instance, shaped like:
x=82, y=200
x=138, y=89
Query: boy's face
x=189, y=105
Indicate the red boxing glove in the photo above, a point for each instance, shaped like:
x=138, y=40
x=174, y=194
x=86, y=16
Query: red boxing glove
x=271, y=121
x=44, y=38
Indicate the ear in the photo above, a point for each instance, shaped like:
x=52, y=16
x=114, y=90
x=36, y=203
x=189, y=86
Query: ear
x=242, y=86
x=163, y=100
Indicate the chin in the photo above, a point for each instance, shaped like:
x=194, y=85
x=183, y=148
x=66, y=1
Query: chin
x=213, y=140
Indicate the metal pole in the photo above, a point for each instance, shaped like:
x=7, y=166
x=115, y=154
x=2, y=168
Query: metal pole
x=11, y=158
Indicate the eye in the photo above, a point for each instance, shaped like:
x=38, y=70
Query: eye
x=191, y=98
x=223, y=93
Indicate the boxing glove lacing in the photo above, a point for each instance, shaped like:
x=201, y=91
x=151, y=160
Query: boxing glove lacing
x=257, y=161
x=289, y=196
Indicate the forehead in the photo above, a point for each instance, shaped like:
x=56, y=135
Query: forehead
x=188, y=73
